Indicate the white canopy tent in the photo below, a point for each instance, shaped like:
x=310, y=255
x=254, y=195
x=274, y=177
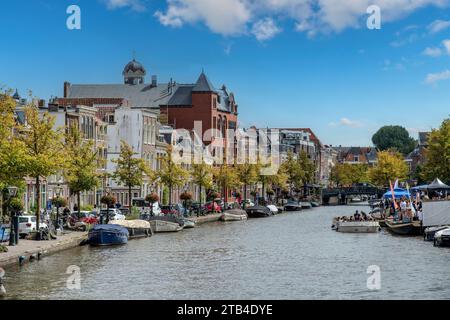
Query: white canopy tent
x=436, y=213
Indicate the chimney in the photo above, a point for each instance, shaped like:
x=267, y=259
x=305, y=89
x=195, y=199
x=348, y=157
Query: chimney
x=154, y=81
x=66, y=89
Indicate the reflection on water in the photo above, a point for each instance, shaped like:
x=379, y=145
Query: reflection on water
x=289, y=256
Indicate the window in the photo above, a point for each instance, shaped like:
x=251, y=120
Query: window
x=214, y=102
x=356, y=158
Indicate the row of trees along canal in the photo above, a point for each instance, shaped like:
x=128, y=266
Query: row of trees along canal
x=394, y=144
x=36, y=149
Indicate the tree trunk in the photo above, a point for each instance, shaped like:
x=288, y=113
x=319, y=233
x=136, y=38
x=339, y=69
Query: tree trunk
x=200, y=191
x=38, y=202
x=245, y=195
x=170, y=195
x=129, y=198
x=263, y=193
x=79, y=203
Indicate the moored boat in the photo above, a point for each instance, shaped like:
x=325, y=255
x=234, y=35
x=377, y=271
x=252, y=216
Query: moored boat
x=165, y=226
x=315, y=204
x=428, y=233
x=108, y=235
x=273, y=209
x=413, y=228
x=442, y=238
x=306, y=205
x=234, y=215
x=293, y=206
x=136, y=228
x=258, y=212
x=188, y=224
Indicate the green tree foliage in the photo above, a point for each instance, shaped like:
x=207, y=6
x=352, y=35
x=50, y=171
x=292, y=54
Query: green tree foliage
x=346, y=174
x=130, y=170
x=247, y=175
x=202, y=176
x=171, y=174
x=394, y=138
x=390, y=166
x=43, y=147
x=437, y=154
x=81, y=163
x=299, y=170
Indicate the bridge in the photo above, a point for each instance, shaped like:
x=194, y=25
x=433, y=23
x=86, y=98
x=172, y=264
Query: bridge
x=344, y=194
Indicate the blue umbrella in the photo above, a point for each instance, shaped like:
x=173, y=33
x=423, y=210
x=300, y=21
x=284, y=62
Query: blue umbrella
x=398, y=193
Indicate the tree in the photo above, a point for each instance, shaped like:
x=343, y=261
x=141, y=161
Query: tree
x=109, y=201
x=346, y=174
x=225, y=177
x=201, y=175
x=130, y=170
x=81, y=166
x=393, y=138
x=44, y=149
x=307, y=168
x=437, y=154
x=171, y=174
x=13, y=167
x=390, y=166
x=291, y=169
x=270, y=179
x=247, y=175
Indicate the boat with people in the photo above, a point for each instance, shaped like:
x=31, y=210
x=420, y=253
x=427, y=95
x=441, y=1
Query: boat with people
x=293, y=206
x=234, y=215
x=108, y=235
x=136, y=228
x=442, y=238
x=359, y=222
x=258, y=212
x=272, y=209
x=406, y=228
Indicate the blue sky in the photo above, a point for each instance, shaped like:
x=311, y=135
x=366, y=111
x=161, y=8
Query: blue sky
x=290, y=63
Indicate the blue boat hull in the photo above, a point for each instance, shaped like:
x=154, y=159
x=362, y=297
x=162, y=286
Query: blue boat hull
x=108, y=237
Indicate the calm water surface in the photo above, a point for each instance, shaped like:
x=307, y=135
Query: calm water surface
x=289, y=256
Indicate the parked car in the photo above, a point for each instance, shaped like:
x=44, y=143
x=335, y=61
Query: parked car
x=114, y=214
x=210, y=208
x=27, y=224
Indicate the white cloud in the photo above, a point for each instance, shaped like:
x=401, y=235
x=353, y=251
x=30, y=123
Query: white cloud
x=438, y=26
x=433, y=78
x=237, y=17
x=446, y=44
x=346, y=122
x=117, y=4
x=432, y=52
x=227, y=17
x=265, y=29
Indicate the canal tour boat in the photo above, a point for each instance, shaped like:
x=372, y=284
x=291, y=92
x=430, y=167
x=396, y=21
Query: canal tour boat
x=234, y=215
x=258, y=212
x=293, y=206
x=136, y=228
x=363, y=226
x=108, y=235
x=442, y=238
x=412, y=228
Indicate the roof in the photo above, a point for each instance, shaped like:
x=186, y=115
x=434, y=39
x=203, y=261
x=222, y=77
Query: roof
x=203, y=84
x=312, y=137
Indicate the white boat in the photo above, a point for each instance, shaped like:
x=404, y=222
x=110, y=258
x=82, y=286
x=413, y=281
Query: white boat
x=273, y=209
x=356, y=226
x=234, y=215
x=442, y=238
x=136, y=228
x=188, y=224
x=165, y=226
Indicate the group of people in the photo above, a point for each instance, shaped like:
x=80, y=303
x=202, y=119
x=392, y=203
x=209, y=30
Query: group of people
x=404, y=209
x=358, y=216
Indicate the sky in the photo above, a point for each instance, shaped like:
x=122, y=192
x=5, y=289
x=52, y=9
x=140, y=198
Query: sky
x=290, y=63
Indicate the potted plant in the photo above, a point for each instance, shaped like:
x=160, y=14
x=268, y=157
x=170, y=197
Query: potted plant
x=152, y=199
x=109, y=201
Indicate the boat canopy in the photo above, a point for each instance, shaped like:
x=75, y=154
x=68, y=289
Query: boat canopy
x=398, y=193
x=109, y=227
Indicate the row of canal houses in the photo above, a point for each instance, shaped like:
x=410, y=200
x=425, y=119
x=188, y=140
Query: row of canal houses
x=145, y=116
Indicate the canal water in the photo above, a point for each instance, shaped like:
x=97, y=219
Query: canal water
x=289, y=256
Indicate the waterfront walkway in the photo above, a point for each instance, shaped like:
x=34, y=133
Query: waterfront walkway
x=29, y=248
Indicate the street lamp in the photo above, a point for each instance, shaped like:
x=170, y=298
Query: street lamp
x=57, y=190
x=14, y=230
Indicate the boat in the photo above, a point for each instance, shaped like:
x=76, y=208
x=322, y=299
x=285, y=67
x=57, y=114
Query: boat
x=315, y=204
x=382, y=223
x=136, y=228
x=273, y=209
x=108, y=235
x=428, y=233
x=293, y=206
x=258, y=212
x=306, y=205
x=234, y=215
x=188, y=224
x=159, y=226
x=356, y=199
x=442, y=238
x=357, y=226
x=280, y=209
x=413, y=228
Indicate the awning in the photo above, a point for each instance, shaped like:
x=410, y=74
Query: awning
x=398, y=193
